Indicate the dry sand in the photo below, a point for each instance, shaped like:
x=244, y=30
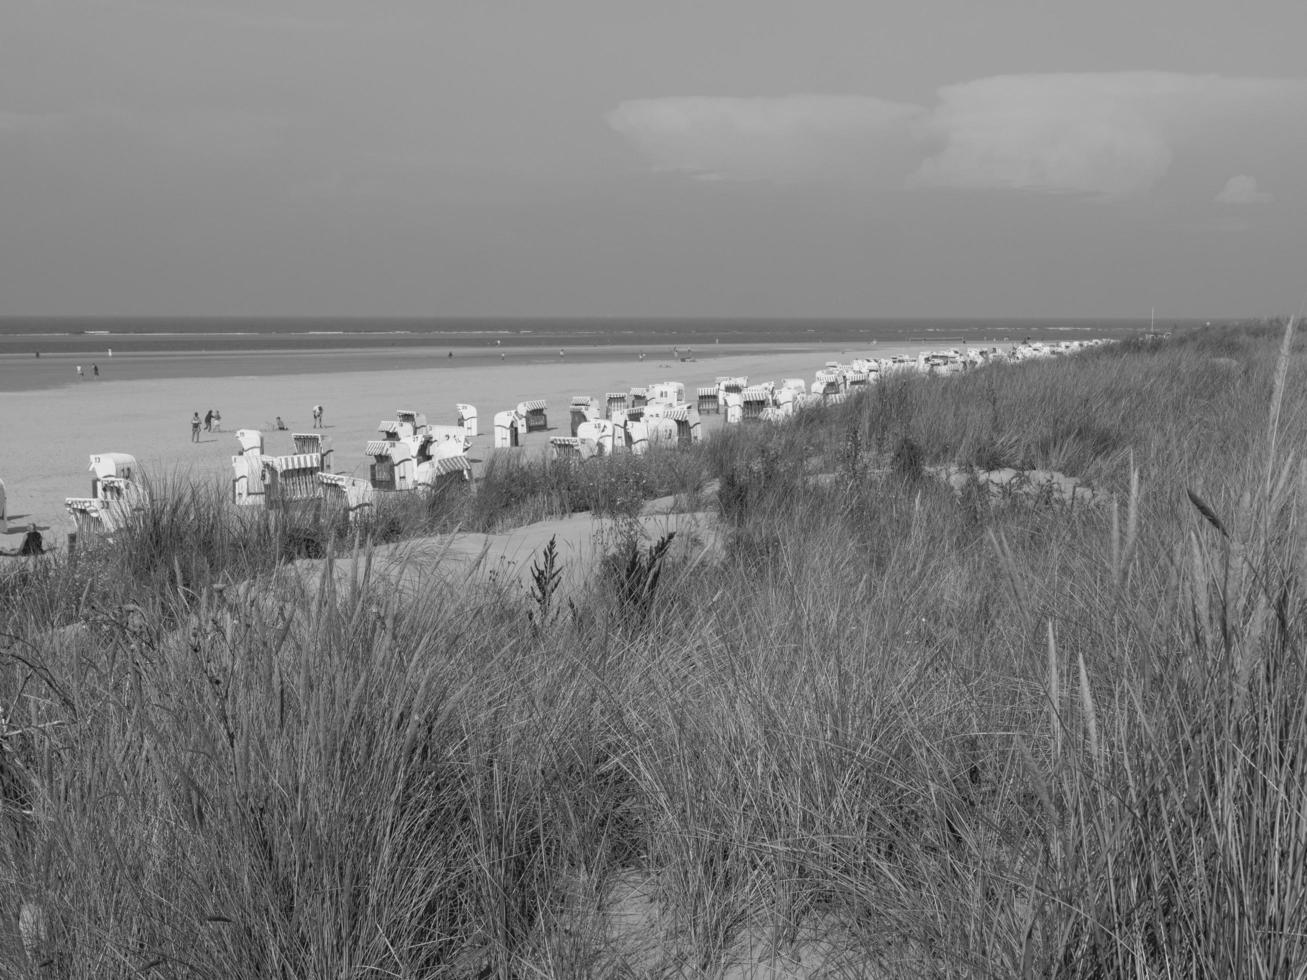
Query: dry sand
x=47, y=436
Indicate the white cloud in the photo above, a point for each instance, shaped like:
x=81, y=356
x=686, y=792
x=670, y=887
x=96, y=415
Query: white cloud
x=1104, y=135
x=1242, y=189
x=1108, y=135
x=787, y=138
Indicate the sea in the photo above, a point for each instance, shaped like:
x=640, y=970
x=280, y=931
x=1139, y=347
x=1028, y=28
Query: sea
x=37, y=352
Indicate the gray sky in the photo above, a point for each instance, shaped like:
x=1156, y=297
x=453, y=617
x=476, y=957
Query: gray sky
x=674, y=158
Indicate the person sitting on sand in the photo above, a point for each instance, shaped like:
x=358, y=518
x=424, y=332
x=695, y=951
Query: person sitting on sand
x=195, y=427
x=281, y=426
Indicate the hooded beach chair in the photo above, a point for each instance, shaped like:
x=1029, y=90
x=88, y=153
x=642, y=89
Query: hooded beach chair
x=251, y=441
x=510, y=429
x=467, y=418
x=291, y=479
x=614, y=401
x=734, y=407
x=395, y=430
x=667, y=391
x=415, y=420
x=639, y=396
x=247, y=489
x=660, y=431
x=565, y=447
x=313, y=444
x=105, y=465
x=596, y=437
x=533, y=411
x=353, y=495
x=392, y=467
x=753, y=401
x=436, y=470
x=582, y=410
x=707, y=399
x=116, y=496
x=636, y=436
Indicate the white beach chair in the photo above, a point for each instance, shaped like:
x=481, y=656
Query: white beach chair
x=639, y=397
x=660, y=432
x=667, y=391
x=565, y=447
x=467, y=418
x=734, y=408
x=683, y=416
x=510, y=429
x=533, y=411
x=251, y=441
x=596, y=437
x=752, y=402
x=351, y=494
x=582, y=410
x=416, y=421
x=437, y=470
x=392, y=467
x=708, y=401
x=292, y=479
x=614, y=401
x=247, y=479
x=313, y=443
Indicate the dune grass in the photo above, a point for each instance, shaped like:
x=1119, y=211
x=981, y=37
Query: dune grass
x=903, y=733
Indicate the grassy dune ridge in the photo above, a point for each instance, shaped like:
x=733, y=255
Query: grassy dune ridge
x=896, y=732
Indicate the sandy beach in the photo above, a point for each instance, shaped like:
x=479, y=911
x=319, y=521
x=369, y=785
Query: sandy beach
x=48, y=435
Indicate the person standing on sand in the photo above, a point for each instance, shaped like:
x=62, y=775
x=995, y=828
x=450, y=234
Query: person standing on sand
x=95, y=370
x=317, y=417
x=195, y=427
x=208, y=421
x=79, y=372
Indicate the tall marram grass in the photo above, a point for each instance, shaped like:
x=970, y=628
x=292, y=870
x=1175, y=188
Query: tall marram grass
x=893, y=732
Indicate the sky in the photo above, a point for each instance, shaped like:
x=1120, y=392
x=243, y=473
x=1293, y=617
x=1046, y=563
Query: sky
x=699, y=158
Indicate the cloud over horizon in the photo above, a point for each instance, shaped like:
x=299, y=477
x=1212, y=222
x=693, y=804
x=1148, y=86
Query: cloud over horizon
x=1104, y=135
x=1242, y=189
x=792, y=137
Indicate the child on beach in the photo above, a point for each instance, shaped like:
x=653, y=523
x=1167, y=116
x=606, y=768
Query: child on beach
x=195, y=427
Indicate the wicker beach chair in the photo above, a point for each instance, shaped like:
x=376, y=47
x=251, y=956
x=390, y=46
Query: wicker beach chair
x=533, y=411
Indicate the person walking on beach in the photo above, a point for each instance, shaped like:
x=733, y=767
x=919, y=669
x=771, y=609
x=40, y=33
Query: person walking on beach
x=317, y=417
x=195, y=427
x=79, y=373
x=95, y=370
x=208, y=421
